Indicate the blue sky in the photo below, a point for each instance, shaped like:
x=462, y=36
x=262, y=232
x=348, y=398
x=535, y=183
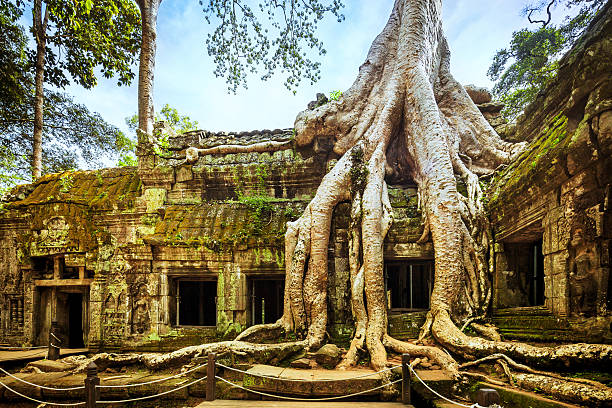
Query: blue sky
x=184, y=72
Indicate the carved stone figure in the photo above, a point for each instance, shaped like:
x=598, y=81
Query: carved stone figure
x=140, y=310
x=583, y=285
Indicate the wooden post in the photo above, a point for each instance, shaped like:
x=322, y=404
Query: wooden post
x=92, y=380
x=210, y=377
x=485, y=397
x=54, y=346
x=406, y=379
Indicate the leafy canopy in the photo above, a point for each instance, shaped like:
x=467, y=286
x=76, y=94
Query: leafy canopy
x=72, y=135
x=531, y=60
x=85, y=36
x=266, y=37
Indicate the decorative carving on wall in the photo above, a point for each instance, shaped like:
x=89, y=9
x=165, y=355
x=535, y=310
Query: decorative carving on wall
x=140, y=319
x=54, y=237
x=583, y=267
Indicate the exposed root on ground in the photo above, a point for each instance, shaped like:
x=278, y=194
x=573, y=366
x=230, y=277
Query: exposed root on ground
x=577, y=390
x=259, y=353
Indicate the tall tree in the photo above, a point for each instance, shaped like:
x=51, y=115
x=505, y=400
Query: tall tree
x=269, y=36
x=73, y=40
x=530, y=61
x=71, y=133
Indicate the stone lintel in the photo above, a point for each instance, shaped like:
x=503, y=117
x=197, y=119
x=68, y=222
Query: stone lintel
x=63, y=282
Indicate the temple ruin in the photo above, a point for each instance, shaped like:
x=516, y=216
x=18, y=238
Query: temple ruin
x=183, y=251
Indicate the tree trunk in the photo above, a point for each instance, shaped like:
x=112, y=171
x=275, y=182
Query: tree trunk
x=40, y=32
x=148, y=12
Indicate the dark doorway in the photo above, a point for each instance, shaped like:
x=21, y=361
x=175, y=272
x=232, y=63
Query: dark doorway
x=267, y=297
x=535, y=274
x=197, y=303
x=75, y=320
x=409, y=284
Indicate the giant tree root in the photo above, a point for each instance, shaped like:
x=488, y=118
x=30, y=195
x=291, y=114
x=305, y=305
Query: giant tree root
x=260, y=353
x=575, y=355
x=579, y=390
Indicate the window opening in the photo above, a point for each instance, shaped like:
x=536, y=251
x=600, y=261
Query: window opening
x=409, y=284
x=267, y=298
x=197, y=303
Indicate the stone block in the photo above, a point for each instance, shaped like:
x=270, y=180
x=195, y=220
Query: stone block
x=50, y=366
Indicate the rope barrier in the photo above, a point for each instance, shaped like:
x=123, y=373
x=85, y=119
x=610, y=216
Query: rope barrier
x=442, y=396
x=303, y=380
x=82, y=387
x=75, y=404
x=55, y=337
x=153, y=381
x=307, y=399
x=153, y=396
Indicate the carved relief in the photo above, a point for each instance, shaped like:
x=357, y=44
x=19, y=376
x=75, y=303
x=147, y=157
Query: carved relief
x=140, y=320
x=53, y=237
x=583, y=267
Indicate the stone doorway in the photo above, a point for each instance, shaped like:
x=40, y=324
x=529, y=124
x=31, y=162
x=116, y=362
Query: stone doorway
x=75, y=320
x=266, y=300
x=522, y=282
x=409, y=284
x=197, y=302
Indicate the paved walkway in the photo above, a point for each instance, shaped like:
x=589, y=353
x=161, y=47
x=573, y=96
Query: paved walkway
x=35, y=354
x=298, y=404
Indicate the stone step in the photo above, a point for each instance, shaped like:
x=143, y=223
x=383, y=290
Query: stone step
x=310, y=383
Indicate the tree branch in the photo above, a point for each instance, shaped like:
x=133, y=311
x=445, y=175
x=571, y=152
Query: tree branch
x=543, y=22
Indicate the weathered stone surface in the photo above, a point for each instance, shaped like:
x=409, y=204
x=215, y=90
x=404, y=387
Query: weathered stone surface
x=49, y=366
x=478, y=94
x=304, y=363
x=328, y=356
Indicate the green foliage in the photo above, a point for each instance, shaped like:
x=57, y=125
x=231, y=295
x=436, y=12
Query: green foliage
x=530, y=61
x=13, y=59
x=335, y=95
x=66, y=181
x=8, y=178
x=125, y=148
x=179, y=123
x=242, y=44
x=72, y=135
x=84, y=37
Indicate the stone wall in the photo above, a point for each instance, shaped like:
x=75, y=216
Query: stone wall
x=558, y=192
x=131, y=235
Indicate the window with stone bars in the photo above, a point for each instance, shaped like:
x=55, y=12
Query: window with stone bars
x=15, y=312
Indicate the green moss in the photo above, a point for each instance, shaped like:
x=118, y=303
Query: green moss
x=536, y=164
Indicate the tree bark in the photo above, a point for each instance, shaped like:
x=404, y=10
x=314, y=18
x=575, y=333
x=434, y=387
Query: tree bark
x=40, y=33
x=146, y=71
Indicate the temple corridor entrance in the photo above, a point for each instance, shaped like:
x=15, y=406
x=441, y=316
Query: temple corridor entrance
x=267, y=298
x=409, y=284
x=197, y=303
x=75, y=320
